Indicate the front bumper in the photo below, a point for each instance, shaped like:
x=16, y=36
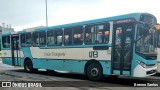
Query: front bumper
x=139, y=71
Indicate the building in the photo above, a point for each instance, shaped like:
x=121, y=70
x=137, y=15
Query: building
x=5, y=28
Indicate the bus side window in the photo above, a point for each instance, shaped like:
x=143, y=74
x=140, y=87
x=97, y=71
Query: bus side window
x=87, y=38
x=6, y=41
x=97, y=34
x=78, y=35
x=68, y=36
x=28, y=39
x=58, y=37
x=23, y=39
x=88, y=34
x=106, y=37
x=50, y=38
x=42, y=38
x=35, y=39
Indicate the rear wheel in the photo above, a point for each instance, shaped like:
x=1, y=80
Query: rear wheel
x=28, y=66
x=94, y=72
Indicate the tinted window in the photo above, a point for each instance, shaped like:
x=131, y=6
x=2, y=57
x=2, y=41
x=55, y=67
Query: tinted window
x=97, y=34
x=50, y=38
x=6, y=41
x=148, y=19
x=28, y=39
x=78, y=35
x=23, y=39
x=42, y=38
x=35, y=39
x=58, y=37
x=54, y=37
x=68, y=40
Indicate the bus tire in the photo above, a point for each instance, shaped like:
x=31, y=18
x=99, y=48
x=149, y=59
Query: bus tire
x=94, y=72
x=28, y=66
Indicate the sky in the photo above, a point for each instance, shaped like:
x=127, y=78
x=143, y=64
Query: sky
x=23, y=14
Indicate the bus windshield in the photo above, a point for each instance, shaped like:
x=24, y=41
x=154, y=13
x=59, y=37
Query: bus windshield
x=145, y=40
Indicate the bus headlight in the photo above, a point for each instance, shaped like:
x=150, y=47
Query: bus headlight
x=141, y=63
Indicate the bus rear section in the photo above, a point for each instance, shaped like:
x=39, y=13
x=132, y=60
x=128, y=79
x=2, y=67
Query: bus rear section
x=11, y=53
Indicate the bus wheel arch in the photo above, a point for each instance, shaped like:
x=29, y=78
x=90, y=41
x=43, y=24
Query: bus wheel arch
x=28, y=65
x=93, y=70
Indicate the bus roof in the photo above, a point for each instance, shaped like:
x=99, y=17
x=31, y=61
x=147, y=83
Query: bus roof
x=136, y=16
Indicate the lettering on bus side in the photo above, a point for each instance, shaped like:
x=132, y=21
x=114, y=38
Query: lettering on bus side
x=93, y=54
x=54, y=54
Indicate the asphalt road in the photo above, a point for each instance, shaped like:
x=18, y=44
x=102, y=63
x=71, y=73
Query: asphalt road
x=68, y=81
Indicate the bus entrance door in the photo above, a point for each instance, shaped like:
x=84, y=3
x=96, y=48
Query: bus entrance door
x=122, y=49
x=15, y=50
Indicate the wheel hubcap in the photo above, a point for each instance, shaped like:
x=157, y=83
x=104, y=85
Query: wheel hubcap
x=94, y=72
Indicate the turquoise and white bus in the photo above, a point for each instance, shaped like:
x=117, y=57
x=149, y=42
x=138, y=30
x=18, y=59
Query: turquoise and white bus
x=118, y=45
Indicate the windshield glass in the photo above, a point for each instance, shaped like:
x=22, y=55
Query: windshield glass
x=145, y=40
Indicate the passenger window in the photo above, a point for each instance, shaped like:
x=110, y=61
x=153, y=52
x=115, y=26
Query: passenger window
x=78, y=35
x=50, y=38
x=106, y=36
x=68, y=36
x=89, y=32
x=23, y=39
x=58, y=37
x=6, y=41
x=35, y=39
x=28, y=39
x=97, y=34
x=42, y=38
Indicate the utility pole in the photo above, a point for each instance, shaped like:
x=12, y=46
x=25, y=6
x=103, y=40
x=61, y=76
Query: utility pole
x=46, y=14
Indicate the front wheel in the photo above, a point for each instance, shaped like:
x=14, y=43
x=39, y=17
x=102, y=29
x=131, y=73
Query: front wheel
x=94, y=72
x=28, y=66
